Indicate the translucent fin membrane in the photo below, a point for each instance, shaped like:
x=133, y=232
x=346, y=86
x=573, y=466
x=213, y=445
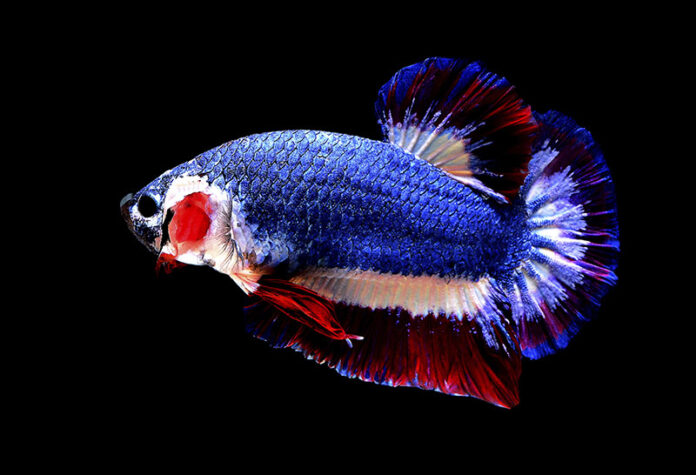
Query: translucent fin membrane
x=432, y=352
x=461, y=118
x=574, y=235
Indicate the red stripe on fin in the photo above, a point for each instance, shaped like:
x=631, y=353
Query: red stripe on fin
x=432, y=352
x=462, y=118
x=304, y=306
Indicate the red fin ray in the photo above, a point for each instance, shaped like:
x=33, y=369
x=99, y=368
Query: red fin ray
x=302, y=305
x=462, y=118
x=431, y=352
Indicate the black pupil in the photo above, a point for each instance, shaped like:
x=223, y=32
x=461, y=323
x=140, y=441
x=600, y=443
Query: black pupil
x=147, y=206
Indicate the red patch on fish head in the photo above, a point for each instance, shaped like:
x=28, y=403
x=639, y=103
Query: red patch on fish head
x=191, y=220
x=188, y=227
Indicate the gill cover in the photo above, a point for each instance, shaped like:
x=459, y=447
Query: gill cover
x=187, y=224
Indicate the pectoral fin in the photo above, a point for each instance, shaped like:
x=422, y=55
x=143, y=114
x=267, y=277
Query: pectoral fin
x=302, y=305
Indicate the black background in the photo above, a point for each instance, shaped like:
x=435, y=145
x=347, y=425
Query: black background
x=152, y=361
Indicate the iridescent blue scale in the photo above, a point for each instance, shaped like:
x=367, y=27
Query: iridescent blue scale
x=392, y=204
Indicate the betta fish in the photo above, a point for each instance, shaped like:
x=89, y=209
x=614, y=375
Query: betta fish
x=478, y=232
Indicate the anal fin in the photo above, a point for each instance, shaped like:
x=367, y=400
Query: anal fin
x=432, y=352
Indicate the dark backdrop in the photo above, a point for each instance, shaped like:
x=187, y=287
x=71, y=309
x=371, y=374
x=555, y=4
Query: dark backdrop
x=164, y=359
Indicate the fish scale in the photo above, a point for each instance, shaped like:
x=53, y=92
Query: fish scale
x=383, y=209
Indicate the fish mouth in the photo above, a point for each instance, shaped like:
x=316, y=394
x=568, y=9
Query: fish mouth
x=126, y=203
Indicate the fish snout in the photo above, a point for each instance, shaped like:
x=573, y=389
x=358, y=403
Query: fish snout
x=126, y=203
x=148, y=233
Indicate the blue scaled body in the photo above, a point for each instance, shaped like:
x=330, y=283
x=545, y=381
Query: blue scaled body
x=349, y=202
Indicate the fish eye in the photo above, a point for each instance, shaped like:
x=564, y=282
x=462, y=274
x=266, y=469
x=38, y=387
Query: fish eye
x=147, y=206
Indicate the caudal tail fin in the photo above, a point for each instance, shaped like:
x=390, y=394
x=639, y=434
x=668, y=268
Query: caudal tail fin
x=569, y=196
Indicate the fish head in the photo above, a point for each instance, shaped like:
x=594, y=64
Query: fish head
x=145, y=214
x=186, y=219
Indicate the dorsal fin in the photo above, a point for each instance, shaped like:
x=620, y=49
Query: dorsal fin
x=468, y=121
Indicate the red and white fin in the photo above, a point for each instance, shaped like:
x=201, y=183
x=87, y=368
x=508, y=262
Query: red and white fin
x=463, y=119
x=417, y=295
x=431, y=352
x=302, y=305
x=449, y=336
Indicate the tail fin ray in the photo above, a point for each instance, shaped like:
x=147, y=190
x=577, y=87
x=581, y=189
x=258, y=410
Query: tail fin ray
x=571, y=210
